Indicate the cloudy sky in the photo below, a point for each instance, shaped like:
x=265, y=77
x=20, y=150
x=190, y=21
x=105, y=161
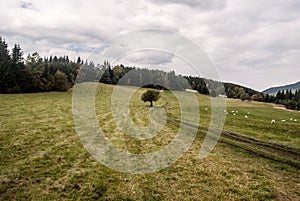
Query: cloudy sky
x=255, y=43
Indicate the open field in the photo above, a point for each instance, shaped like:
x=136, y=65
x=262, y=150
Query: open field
x=42, y=157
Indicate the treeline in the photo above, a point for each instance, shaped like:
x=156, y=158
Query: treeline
x=34, y=74
x=119, y=74
x=289, y=99
x=145, y=77
x=158, y=79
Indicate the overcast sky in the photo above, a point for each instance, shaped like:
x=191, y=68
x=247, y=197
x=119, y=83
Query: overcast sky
x=255, y=43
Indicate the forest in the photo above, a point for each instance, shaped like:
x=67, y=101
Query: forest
x=36, y=74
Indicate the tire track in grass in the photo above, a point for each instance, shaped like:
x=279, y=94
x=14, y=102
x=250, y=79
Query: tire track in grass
x=261, y=153
x=271, y=151
x=283, y=151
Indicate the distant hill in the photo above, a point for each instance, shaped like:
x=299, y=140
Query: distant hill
x=274, y=90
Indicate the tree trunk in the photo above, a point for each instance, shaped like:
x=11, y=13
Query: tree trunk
x=151, y=104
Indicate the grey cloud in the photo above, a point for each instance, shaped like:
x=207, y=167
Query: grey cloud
x=28, y=5
x=249, y=38
x=202, y=4
x=78, y=48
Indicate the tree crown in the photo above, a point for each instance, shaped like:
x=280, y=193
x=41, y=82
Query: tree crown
x=150, y=96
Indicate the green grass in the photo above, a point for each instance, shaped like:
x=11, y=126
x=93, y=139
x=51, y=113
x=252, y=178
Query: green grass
x=42, y=157
x=258, y=122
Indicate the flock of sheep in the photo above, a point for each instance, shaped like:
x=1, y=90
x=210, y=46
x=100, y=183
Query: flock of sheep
x=273, y=121
x=235, y=112
x=283, y=120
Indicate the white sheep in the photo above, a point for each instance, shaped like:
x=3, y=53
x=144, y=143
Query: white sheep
x=273, y=121
x=246, y=116
x=283, y=120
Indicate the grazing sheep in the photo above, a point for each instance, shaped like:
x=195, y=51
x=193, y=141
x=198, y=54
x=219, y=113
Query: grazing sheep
x=291, y=119
x=234, y=114
x=248, y=112
x=283, y=120
x=295, y=119
x=273, y=121
x=232, y=111
x=246, y=116
x=206, y=108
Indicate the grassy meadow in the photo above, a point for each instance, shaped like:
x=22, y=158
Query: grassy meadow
x=42, y=157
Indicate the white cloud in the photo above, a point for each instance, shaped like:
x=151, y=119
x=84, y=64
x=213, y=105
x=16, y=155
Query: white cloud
x=252, y=42
x=149, y=57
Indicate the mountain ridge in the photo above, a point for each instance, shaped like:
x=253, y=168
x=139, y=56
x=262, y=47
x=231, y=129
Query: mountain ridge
x=273, y=90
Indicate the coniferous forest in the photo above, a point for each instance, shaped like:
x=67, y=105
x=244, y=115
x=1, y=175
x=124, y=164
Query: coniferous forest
x=37, y=74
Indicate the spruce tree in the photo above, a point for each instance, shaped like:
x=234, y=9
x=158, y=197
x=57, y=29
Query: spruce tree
x=4, y=65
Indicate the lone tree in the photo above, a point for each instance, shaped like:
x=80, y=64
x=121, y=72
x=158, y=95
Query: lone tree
x=150, y=96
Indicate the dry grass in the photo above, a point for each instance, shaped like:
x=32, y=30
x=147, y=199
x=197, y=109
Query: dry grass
x=42, y=157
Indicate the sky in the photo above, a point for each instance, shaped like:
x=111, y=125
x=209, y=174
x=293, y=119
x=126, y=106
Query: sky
x=255, y=43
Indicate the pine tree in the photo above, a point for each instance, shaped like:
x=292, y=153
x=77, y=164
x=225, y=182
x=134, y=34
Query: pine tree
x=4, y=65
x=17, y=54
x=16, y=72
x=78, y=60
